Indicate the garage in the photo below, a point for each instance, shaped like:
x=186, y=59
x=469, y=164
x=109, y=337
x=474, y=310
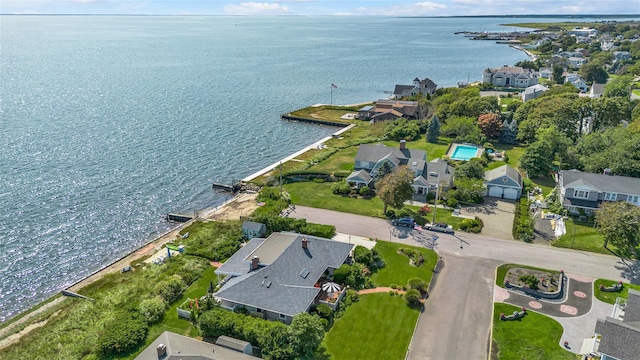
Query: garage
x=503, y=182
x=495, y=191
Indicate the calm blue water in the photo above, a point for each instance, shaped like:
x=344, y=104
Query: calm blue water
x=107, y=123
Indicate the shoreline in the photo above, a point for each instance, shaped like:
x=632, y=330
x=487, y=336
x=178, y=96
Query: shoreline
x=150, y=247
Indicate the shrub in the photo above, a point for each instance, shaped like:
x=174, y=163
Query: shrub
x=472, y=225
x=363, y=255
x=451, y=202
x=318, y=180
x=412, y=297
x=340, y=187
x=415, y=256
x=417, y=284
x=170, y=289
x=324, y=311
x=364, y=191
x=121, y=335
x=424, y=210
x=152, y=310
x=530, y=280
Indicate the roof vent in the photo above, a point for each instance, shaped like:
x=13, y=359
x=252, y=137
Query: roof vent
x=433, y=173
x=304, y=273
x=268, y=284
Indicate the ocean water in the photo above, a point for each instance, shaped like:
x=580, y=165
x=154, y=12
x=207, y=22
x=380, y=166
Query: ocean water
x=109, y=122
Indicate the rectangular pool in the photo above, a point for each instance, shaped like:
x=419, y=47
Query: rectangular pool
x=464, y=152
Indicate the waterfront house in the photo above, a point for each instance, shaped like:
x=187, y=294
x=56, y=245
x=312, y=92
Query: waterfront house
x=510, y=76
x=582, y=192
x=503, y=182
x=170, y=346
x=385, y=109
x=618, y=337
x=252, y=229
x=425, y=87
x=533, y=92
x=583, y=31
x=281, y=276
x=370, y=159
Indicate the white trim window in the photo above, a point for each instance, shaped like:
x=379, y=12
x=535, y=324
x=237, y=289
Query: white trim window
x=582, y=194
x=634, y=199
x=282, y=316
x=610, y=196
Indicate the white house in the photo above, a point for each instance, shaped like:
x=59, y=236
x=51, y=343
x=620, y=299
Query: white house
x=533, y=92
x=577, y=81
x=513, y=76
x=576, y=62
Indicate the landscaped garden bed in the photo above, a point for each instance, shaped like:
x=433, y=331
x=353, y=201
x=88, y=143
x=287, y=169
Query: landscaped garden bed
x=611, y=296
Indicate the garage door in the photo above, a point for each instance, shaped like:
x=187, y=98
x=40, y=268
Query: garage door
x=510, y=194
x=495, y=191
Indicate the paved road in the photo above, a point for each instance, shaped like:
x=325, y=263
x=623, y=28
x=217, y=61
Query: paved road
x=457, y=317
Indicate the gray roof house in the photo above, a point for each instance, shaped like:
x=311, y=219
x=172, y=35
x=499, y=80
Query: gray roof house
x=252, y=229
x=359, y=178
x=281, y=276
x=370, y=158
x=235, y=344
x=503, y=182
x=171, y=346
x=424, y=87
x=619, y=339
x=533, y=92
x=584, y=192
x=596, y=90
x=513, y=76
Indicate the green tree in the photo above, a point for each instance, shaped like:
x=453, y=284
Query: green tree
x=609, y=111
x=618, y=87
x=467, y=190
x=593, y=73
x=403, y=129
x=305, y=334
x=619, y=222
x=509, y=132
x=470, y=170
x=536, y=160
x=433, y=131
x=490, y=125
x=613, y=148
x=395, y=188
x=463, y=129
x=152, y=310
x=556, y=75
x=412, y=297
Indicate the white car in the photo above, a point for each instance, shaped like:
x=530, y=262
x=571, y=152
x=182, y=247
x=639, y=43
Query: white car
x=440, y=227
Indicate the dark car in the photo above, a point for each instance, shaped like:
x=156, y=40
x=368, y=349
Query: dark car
x=408, y=222
x=440, y=227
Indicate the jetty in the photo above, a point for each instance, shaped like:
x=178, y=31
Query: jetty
x=180, y=218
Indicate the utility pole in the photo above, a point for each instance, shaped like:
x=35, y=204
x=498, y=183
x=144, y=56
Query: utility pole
x=435, y=201
x=281, y=178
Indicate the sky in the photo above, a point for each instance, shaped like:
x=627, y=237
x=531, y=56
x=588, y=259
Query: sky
x=322, y=7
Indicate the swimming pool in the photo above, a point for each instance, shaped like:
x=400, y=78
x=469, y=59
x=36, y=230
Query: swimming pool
x=464, y=152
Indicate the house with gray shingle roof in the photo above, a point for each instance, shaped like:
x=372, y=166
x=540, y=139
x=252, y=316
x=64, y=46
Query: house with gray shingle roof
x=372, y=158
x=172, y=346
x=619, y=338
x=581, y=191
x=503, y=182
x=281, y=276
x=514, y=76
x=424, y=87
x=252, y=229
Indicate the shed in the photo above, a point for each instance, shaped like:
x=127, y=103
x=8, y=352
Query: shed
x=503, y=182
x=252, y=229
x=235, y=344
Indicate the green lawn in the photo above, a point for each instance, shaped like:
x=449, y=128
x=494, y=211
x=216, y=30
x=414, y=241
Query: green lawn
x=434, y=151
x=545, y=183
x=586, y=238
x=636, y=92
x=379, y=326
x=397, y=270
x=610, y=297
x=342, y=161
x=533, y=337
x=514, y=153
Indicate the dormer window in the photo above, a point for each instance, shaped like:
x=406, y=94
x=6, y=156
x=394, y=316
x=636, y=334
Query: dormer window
x=581, y=194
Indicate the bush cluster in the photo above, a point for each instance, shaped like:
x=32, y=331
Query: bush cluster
x=122, y=334
x=416, y=256
x=522, y=222
x=276, y=223
x=354, y=276
x=472, y=225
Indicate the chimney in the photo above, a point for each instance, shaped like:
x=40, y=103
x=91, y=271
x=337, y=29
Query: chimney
x=403, y=144
x=607, y=171
x=305, y=242
x=254, y=263
x=162, y=351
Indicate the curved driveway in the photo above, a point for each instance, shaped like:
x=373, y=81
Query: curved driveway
x=457, y=317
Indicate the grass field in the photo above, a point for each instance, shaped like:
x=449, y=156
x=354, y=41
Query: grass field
x=341, y=161
x=379, y=326
x=535, y=336
x=434, y=151
x=586, y=238
x=545, y=183
x=514, y=153
x=397, y=270
x=610, y=297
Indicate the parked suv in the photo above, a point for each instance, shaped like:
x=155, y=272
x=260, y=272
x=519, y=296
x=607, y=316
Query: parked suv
x=440, y=227
x=405, y=221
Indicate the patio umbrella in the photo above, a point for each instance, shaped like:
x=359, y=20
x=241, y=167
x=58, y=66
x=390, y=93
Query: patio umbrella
x=331, y=287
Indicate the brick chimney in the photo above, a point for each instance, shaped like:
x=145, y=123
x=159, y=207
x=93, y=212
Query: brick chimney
x=403, y=144
x=162, y=351
x=254, y=263
x=305, y=242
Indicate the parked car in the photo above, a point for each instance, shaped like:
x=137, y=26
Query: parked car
x=440, y=227
x=405, y=221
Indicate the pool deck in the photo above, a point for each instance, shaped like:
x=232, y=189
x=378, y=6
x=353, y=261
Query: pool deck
x=454, y=146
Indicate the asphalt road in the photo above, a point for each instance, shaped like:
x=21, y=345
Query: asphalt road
x=457, y=318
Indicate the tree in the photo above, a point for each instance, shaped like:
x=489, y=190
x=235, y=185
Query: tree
x=433, y=131
x=536, y=160
x=593, y=73
x=470, y=170
x=557, y=74
x=618, y=87
x=412, y=297
x=305, y=334
x=462, y=129
x=609, y=111
x=403, y=129
x=395, y=188
x=509, y=132
x=467, y=190
x=619, y=222
x=490, y=125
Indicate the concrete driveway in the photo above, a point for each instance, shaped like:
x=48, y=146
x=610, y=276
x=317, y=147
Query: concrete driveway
x=497, y=215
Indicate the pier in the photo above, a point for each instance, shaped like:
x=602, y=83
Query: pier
x=289, y=117
x=178, y=218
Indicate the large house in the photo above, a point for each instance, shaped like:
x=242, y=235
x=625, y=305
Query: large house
x=390, y=110
x=584, y=192
x=424, y=87
x=533, y=92
x=514, y=76
x=370, y=159
x=503, y=182
x=577, y=81
x=583, y=31
x=172, y=346
x=618, y=337
x=280, y=276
